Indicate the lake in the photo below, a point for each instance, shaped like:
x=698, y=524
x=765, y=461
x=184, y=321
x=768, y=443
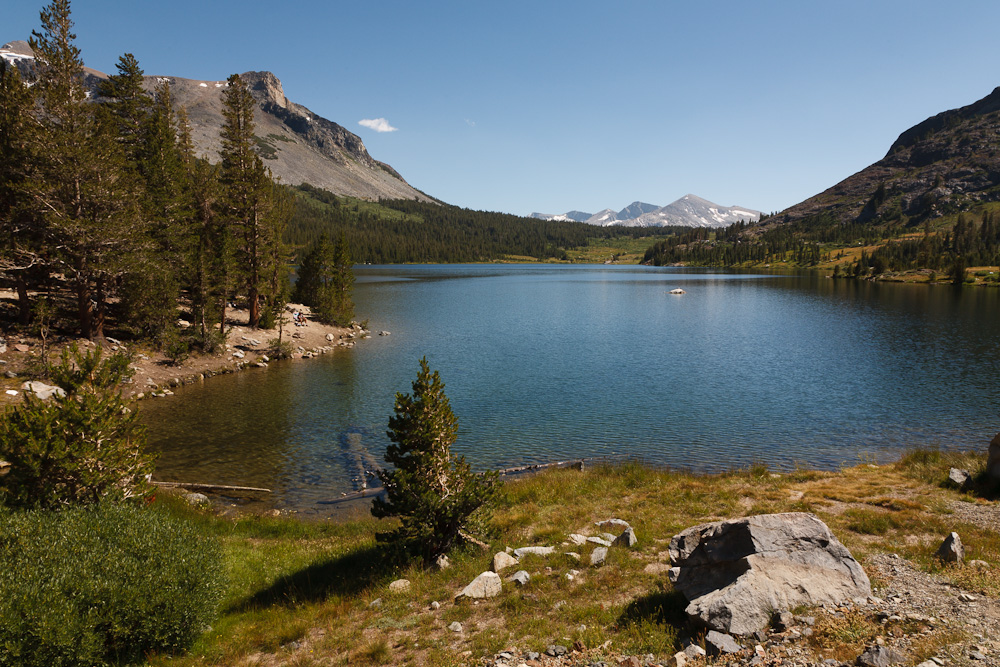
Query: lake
x=550, y=362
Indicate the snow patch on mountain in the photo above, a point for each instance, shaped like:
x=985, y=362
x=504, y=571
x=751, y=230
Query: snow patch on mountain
x=688, y=211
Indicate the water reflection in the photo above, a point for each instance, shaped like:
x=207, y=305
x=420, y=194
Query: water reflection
x=550, y=362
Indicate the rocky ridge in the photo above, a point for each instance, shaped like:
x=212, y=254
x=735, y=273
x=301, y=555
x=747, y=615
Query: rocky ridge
x=297, y=145
x=947, y=163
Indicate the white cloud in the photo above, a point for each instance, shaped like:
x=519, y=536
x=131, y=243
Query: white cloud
x=377, y=124
x=470, y=123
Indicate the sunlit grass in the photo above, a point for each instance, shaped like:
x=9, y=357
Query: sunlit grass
x=311, y=585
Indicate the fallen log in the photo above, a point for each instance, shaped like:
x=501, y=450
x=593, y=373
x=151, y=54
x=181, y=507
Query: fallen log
x=208, y=487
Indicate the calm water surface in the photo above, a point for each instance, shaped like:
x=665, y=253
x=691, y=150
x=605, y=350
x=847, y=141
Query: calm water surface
x=547, y=362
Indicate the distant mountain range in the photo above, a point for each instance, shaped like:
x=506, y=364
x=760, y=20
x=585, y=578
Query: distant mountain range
x=688, y=211
x=298, y=145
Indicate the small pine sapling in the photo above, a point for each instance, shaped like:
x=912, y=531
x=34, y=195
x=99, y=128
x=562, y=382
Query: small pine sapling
x=434, y=495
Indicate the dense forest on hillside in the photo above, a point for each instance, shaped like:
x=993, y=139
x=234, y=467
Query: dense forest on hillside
x=949, y=246
x=397, y=231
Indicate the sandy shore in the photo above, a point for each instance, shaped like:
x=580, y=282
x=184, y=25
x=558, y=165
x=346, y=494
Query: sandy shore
x=246, y=350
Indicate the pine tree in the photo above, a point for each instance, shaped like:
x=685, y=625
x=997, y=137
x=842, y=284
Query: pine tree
x=21, y=243
x=128, y=103
x=83, y=190
x=434, y=496
x=325, y=279
x=247, y=190
x=81, y=447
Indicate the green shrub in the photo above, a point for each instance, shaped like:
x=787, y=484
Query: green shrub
x=78, y=448
x=100, y=585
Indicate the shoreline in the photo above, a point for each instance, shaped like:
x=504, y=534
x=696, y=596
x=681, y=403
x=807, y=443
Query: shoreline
x=153, y=374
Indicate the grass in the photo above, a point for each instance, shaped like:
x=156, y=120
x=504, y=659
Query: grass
x=302, y=592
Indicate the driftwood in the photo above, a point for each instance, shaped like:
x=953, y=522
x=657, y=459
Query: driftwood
x=208, y=487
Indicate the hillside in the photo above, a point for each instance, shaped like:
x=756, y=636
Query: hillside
x=946, y=164
x=298, y=145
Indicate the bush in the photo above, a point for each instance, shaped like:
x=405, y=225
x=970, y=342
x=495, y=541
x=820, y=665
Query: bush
x=100, y=585
x=82, y=447
x=434, y=496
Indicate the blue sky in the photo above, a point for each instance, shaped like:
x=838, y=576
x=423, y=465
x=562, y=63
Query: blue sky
x=551, y=106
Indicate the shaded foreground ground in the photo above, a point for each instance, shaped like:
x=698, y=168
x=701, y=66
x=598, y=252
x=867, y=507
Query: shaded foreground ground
x=317, y=594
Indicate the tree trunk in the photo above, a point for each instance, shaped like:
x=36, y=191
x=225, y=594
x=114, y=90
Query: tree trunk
x=102, y=309
x=83, y=299
x=23, y=305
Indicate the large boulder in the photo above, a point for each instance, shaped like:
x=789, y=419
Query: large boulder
x=993, y=462
x=737, y=573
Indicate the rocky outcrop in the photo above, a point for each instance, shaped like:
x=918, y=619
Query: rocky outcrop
x=737, y=573
x=993, y=461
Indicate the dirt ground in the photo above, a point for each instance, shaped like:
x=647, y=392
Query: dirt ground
x=245, y=350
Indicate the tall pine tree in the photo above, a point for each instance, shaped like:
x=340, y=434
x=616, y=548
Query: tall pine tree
x=83, y=190
x=247, y=192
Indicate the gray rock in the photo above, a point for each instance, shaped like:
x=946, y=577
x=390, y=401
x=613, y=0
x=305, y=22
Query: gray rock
x=455, y=626
x=197, y=499
x=626, y=539
x=502, y=560
x=10, y=375
x=600, y=541
x=694, y=651
x=598, y=556
x=961, y=479
x=880, y=656
x=735, y=573
x=993, y=461
x=577, y=539
x=718, y=643
x=442, y=562
x=679, y=659
x=537, y=551
x=951, y=550
x=555, y=650
x=521, y=578
x=42, y=390
x=376, y=603
x=399, y=586
x=435, y=605
x=613, y=524
x=486, y=585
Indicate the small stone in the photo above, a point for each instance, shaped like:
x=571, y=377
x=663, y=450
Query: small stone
x=486, y=585
x=400, y=586
x=502, y=561
x=572, y=554
x=626, y=539
x=678, y=659
x=577, y=539
x=598, y=556
x=613, y=524
x=599, y=541
x=197, y=499
x=455, y=626
x=694, y=651
x=376, y=603
x=717, y=643
x=951, y=550
x=532, y=655
x=976, y=655
x=960, y=479
x=880, y=656
x=555, y=650
x=442, y=562
x=537, y=551
x=435, y=605
x=521, y=578
x=979, y=564
x=966, y=597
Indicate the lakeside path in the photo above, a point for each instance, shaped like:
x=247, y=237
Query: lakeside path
x=246, y=349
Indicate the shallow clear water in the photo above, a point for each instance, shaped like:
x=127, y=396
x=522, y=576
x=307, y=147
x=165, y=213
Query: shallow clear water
x=547, y=362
